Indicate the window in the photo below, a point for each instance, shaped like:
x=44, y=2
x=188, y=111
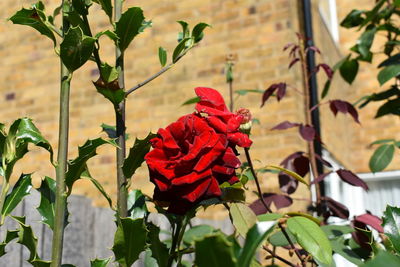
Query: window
x=327, y=11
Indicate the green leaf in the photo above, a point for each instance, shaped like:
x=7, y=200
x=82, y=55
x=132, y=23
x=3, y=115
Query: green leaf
x=80, y=6
x=106, y=6
x=76, y=20
x=196, y=233
x=233, y=194
x=35, y=18
x=198, y=31
x=383, y=258
x=27, y=132
x=111, y=91
x=254, y=238
x=162, y=56
x=129, y=241
x=243, y=218
x=325, y=91
x=353, y=19
x=19, y=191
x=393, y=60
x=348, y=70
x=136, y=155
x=76, y=48
x=137, y=204
x=311, y=238
x=110, y=130
x=77, y=166
x=27, y=238
x=185, y=29
x=11, y=235
x=390, y=107
x=278, y=239
x=269, y=217
x=128, y=26
x=214, y=251
x=246, y=91
x=382, y=141
x=290, y=173
x=108, y=73
x=391, y=225
x=47, y=201
x=180, y=49
x=388, y=73
x=97, y=184
x=365, y=42
x=333, y=231
x=100, y=262
x=190, y=101
x=339, y=247
x=381, y=158
x=110, y=34
x=158, y=249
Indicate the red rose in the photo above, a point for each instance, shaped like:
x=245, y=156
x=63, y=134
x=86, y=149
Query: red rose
x=220, y=118
x=189, y=161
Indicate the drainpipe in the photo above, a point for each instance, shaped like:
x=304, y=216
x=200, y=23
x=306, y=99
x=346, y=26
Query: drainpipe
x=305, y=13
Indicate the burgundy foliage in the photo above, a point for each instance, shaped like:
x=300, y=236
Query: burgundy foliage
x=298, y=163
x=285, y=125
x=320, y=178
x=281, y=92
x=328, y=71
x=343, y=107
x=280, y=201
x=350, y=178
x=336, y=209
x=371, y=220
x=307, y=132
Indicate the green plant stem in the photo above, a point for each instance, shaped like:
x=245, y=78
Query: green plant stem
x=230, y=83
x=253, y=172
x=5, y=186
x=174, y=244
x=61, y=168
x=180, y=237
x=122, y=192
x=278, y=257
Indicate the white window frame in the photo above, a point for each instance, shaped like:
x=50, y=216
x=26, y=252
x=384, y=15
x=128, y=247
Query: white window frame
x=330, y=20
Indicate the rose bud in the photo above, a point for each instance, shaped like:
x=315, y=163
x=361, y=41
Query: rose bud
x=245, y=126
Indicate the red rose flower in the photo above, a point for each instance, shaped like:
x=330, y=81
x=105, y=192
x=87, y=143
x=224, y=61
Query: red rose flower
x=220, y=118
x=189, y=161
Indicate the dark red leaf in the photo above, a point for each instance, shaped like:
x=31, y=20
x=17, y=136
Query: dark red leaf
x=320, y=178
x=280, y=201
x=281, y=91
x=287, y=184
x=301, y=165
x=307, y=132
x=343, y=107
x=327, y=69
x=294, y=61
x=285, y=125
x=268, y=92
x=353, y=112
x=371, y=220
x=293, y=51
x=297, y=154
x=350, y=178
x=287, y=46
x=337, y=209
x=326, y=163
x=359, y=236
x=314, y=48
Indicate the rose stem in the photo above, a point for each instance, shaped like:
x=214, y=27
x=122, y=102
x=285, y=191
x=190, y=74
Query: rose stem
x=186, y=220
x=122, y=192
x=306, y=97
x=249, y=161
x=61, y=165
x=275, y=256
x=175, y=238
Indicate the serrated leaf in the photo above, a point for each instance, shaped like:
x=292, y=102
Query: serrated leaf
x=388, y=73
x=97, y=184
x=243, y=218
x=254, y=238
x=198, y=31
x=129, y=241
x=106, y=6
x=391, y=225
x=159, y=249
x=137, y=204
x=75, y=20
x=129, y=26
x=162, y=56
x=110, y=34
x=311, y=238
x=35, y=18
x=136, y=155
x=108, y=73
x=76, y=48
x=27, y=238
x=381, y=158
x=214, y=251
x=77, y=166
x=11, y=235
x=19, y=191
x=47, y=201
x=100, y=262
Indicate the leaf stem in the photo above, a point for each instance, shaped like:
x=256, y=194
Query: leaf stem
x=250, y=162
x=122, y=192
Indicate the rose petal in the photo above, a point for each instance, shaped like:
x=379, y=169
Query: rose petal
x=211, y=96
x=191, y=178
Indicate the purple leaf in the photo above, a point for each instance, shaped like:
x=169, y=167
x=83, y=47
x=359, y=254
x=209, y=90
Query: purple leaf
x=285, y=162
x=280, y=201
x=268, y=92
x=320, y=178
x=371, y=220
x=353, y=112
x=287, y=184
x=285, y=125
x=314, y=48
x=287, y=46
x=281, y=91
x=343, y=107
x=327, y=69
x=326, y=163
x=293, y=51
x=301, y=165
x=337, y=209
x=294, y=61
x=359, y=236
x=350, y=178
x=307, y=132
